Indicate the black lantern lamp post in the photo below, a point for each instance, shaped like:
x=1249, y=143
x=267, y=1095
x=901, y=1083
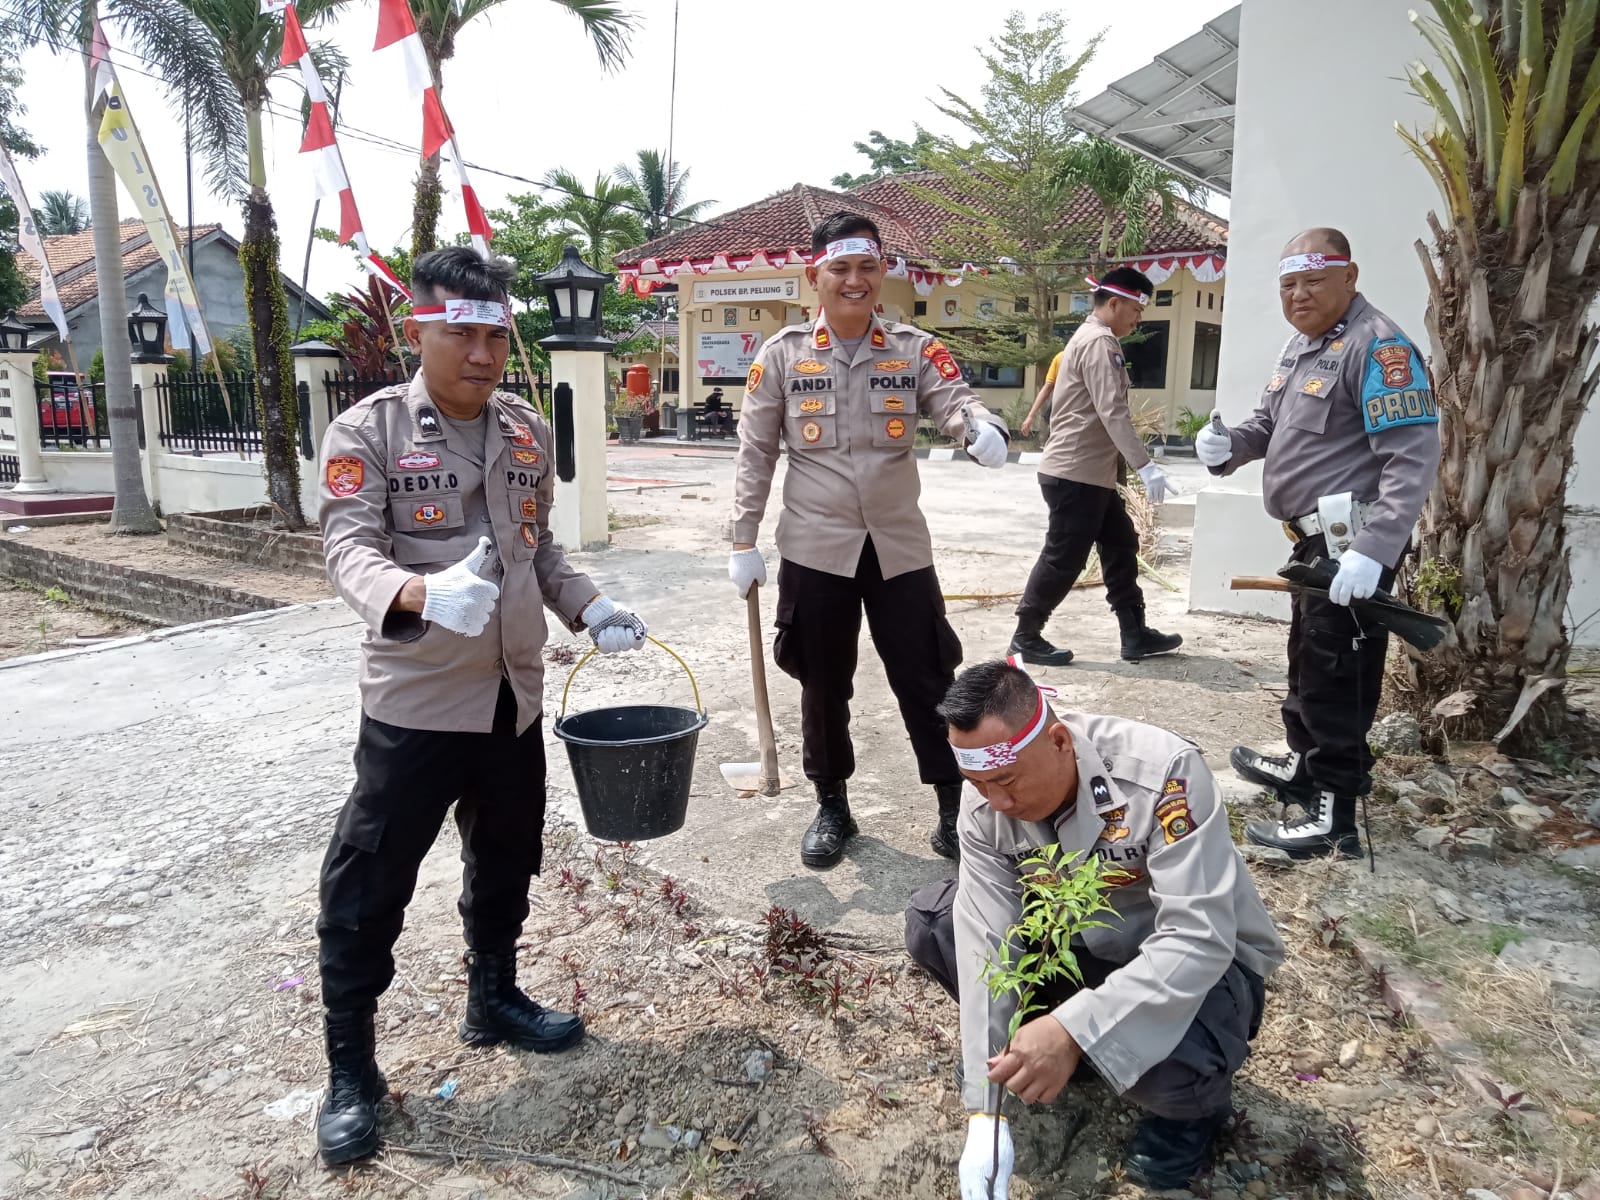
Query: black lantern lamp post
x=147, y=330
x=574, y=290
x=13, y=335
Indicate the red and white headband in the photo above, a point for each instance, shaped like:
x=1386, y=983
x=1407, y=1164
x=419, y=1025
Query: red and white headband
x=1004, y=754
x=849, y=245
x=1315, y=261
x=1095, y=284
x=465, y=312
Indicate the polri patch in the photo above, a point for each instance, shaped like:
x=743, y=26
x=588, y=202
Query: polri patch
x=345, y=474
x=417, y=460
x=892, y=364
x=810, y=366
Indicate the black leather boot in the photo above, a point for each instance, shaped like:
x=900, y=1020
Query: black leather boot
x=1139, y=640
x=498, y=1012
x=1285, y=774
x=347, y=1123
x=833, y=826
x=1167, y=1153
x=1029, y=642
x=944, y=839
x=1329, y=827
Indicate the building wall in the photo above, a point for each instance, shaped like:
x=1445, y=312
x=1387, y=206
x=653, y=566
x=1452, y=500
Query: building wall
x=1300, y=160
x=1191, y=302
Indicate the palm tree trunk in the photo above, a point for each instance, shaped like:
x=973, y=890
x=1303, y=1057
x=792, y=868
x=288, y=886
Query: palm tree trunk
x=425, y=204
x=131, y=511
x=276, y=398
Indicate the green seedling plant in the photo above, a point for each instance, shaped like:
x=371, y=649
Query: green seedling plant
x=1060, y=899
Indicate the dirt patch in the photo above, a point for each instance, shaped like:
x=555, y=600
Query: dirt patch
x=34, y=621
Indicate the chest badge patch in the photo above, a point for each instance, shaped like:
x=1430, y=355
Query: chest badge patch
x=1275, y=382
x=1115, y=831
x=527, y=458
x=1314, y=386
x=530, y=510
x=344, y=475
x=894, y=404
x=810, y=366
x=895, y=428
x=417, y=460
x=521, y=434
x=811, y=431
x=811, y=406
x=429, y=514
x=530, y=534
x=892, y=364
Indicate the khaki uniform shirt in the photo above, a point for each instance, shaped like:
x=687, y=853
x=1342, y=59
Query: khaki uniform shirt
x=1091, y=426
x=400, y=497
x=1350, y=411
x=850, y=425
x=1146, y=804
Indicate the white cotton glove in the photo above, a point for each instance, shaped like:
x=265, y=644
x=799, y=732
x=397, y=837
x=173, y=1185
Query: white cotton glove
x=1213, y=445
x=613, y=628
x=458, y=598
x=988, y=446
x=977, y=1160
x=1156, y=483
x=746, y=567
x=1357, y=578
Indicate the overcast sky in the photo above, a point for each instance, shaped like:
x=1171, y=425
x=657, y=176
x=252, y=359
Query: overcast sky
x=768, y=95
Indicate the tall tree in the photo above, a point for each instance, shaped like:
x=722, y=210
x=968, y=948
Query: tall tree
x=61, y=212
x=1000, y=191
x=663, y=190
x=1130, y=188
x=161, y=33
x=1511, y=280
x=245, y=47
x=888, y=156
x=439, y=22
x=602, y=218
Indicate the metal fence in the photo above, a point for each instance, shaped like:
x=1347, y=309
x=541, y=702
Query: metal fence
x=344, y=388
x=196, y=419
x=10, y=468
x=70, y=416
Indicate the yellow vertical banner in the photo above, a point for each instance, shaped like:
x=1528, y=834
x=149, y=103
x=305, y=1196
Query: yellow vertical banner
x=120, y=140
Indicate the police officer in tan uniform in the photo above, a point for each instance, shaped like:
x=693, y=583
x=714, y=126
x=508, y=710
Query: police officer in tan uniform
x=436, y=527
x=844, y=394
x=1090, y=436
x=1350, y=435
x=1172, y=988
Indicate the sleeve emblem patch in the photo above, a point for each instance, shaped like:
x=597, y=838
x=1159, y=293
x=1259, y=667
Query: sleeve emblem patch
x=345, y=474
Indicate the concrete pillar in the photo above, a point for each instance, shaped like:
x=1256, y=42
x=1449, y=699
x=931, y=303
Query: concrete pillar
x=579, y=520
x=16, y=389
x=313, y=360
x=148, y=370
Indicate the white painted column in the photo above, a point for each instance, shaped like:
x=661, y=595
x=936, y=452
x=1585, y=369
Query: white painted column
x=580, y=520
x=16, y=389
x=146, y=373
x=313, y=360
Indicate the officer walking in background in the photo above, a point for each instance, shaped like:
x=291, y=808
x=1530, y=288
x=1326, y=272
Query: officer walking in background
x=1090, y=435
x=1350, y=435
x=844, y=393
x=436, y=526
x=1172, y=985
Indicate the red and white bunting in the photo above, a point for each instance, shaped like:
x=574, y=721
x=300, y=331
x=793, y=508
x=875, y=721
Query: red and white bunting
x=327, y=165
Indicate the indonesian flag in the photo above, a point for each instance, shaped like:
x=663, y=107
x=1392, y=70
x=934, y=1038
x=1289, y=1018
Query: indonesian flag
x=477, y=220
x=397, y=27
x=100, y=62
x=327, y=165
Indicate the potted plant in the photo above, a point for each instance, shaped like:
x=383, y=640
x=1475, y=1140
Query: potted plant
x=629, y=413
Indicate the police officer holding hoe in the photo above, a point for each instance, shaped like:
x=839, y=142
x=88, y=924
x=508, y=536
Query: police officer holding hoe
x=1172, y=986
x=1350, y=435
x=844, y=394
x=1090, y=435
x=436, y=526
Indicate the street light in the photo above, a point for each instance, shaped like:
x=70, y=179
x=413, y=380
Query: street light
x=147, y=329
x=13, y=335
x=574, y=290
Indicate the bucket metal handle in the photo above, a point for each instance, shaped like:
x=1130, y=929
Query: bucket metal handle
x=698, y=707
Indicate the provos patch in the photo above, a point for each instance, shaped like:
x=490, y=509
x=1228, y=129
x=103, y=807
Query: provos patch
x=1394, y=388
x=344, y=475
x=1173, y=812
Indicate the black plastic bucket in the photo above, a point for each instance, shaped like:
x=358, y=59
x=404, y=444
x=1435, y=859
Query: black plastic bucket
x=633, y=764
x=633, y=767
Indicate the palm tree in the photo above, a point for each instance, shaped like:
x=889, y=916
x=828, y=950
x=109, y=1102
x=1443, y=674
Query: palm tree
x=246, y=46
x=162, y=33
x=439, y=22
x=62, y=213
x=1511, y=279
x=663, y=192
x=603, y=217
x=1128, y=186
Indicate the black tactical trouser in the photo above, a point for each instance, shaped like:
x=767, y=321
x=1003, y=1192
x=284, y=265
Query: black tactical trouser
x=1083, y=517
x=1195, y=1080
x=819, y=628
x=1335, y=681
x=406, y=780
